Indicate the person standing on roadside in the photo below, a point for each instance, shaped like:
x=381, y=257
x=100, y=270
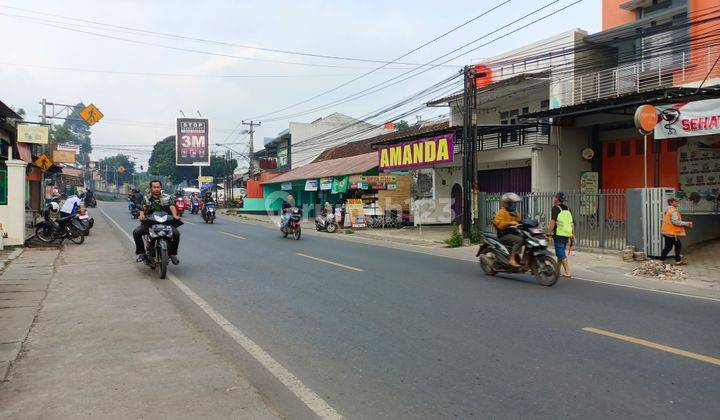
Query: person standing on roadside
x=561, y=228
x=673, y=228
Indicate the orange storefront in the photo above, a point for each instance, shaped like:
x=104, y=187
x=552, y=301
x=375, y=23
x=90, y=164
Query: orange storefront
x=622, y=163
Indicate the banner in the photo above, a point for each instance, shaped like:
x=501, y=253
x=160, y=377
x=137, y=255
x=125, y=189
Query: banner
x=62, y=156
x=686, y=119
x=419, y=153
x=192, y=147
x=205, y=179
x=326, y=184
x=311, y=185
x=67, y=147
x=33, y=133
x=357, y=212
x=339, y=185
x=286, y=186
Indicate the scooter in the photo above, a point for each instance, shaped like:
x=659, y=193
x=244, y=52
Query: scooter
x=293, y=228
x=208, y=213
x=180, y=206
x=134, y=211
x=157, y=241
x=495, y=257
x=85, y=220
x=326, y=223
x=68, y=227
x=194, y=206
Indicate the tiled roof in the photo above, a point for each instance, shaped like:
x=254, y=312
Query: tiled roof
x=334, y=167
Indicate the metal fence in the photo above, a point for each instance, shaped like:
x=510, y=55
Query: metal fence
x=599, y=218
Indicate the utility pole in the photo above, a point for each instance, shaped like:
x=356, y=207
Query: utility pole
x=251, y=131
x=469, y=137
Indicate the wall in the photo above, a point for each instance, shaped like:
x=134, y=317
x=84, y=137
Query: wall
x=703, y=34
x=12, y=215
x=544, y=162
x=613, y=15
x=707, y=228
x=572, y=141
x=437, y=210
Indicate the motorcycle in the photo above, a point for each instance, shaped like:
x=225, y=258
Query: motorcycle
x=134, y=211
x=49, y=230
x=208, y=213
x=157, y=241
x=194, y=206
x=326, y=223
x=180, y=206
x=293, y=228
x=85, y=220
x=90, y=201
x=495, y=257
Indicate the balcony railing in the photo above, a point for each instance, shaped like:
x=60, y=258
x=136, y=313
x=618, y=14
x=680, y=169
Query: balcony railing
x=663, y=71
x=500, y=136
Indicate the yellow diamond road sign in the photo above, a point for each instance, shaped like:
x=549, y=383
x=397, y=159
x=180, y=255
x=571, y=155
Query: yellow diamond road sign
x=91, y=114
x=121, y=169
x=43, y=162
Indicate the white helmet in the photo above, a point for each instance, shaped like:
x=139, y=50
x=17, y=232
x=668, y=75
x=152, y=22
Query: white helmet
x=54, y=207
x=510, y=198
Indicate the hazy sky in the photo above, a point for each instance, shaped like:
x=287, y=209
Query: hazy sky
x=67, y=61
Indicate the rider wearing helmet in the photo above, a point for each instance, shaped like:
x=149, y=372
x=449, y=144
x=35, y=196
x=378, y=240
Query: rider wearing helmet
x=505, y=220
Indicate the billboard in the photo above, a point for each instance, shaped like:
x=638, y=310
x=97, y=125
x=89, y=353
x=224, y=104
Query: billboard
x=687, y=119
x=63, y=156
x=192, y=147
x=418, y=153
x=30, y=133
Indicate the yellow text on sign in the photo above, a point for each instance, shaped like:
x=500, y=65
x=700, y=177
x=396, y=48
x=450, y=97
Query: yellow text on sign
x=91, y=114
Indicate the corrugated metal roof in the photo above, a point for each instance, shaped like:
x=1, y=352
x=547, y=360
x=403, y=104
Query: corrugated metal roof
x=333, y=167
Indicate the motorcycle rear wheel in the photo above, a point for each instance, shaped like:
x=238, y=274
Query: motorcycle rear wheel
x=331, y=228
x=487, y=269
x=44, y=234
x=297, y=233
x=76, y=236
x=546, y=271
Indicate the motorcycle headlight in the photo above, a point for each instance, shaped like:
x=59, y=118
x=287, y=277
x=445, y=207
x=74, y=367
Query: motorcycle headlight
x=161, y=219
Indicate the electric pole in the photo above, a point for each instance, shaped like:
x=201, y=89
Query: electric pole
x=469, y=148
x=251, y=131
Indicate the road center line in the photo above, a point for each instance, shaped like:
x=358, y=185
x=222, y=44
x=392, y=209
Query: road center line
x=233, y=235
x=295, y=385
x=330, y=262
x=656, y=346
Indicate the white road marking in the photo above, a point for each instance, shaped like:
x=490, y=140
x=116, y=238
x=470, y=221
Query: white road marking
x=232, y=235
x=295, y=385
x=329, y=262
x=629, y=286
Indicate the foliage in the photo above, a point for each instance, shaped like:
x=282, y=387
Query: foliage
x=111, y=164
x=456, y=238
x=162, y=162
x=402, y=125
x=475, y=235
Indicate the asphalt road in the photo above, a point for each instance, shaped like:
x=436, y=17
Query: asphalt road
x=413, y=335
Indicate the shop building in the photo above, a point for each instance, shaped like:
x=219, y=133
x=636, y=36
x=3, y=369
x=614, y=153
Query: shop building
x=12, y=180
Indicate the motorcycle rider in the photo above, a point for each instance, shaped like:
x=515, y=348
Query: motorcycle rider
x=89, y=198
x=288, y=204
x=207, y=198
x=156, y=201
x=505, y=220
x=70, y=205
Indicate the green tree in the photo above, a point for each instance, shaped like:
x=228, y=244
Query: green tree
x=74, y=131
x=219, y=167
x=402, y=125
x=111, y=164
x=162, y=162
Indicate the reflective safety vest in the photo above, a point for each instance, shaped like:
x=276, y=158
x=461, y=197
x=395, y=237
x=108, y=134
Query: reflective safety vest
x=564, y=224
x=668, y=228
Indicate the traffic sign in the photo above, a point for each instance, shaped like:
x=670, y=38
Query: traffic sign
x=43, y=162
x=91, y=114
x=121, y=169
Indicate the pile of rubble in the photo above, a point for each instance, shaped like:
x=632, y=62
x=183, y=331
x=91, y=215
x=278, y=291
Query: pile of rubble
x=659, y=270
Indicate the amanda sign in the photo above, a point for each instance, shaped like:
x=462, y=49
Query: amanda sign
x=419, y=153
x=686, y=119
x=192, y=146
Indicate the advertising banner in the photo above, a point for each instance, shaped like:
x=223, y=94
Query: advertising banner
x=419, y=153
x=33, y=133
x=192, y=147
x=699, y=174
x=686, y=119
x=63, y=156
x=205, y=179
x=339, y=185
x=357, y=212
x=311, y=185
x=67, y=147
x=326, y=184
x=286, y=186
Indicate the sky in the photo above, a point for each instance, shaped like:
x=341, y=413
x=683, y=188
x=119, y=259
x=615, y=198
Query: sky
x=141, y=81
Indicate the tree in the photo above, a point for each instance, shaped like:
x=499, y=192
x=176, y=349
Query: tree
x=110, y=165
x=162, y=162
x=219, y=168
x=402, y=125
x=74, y=131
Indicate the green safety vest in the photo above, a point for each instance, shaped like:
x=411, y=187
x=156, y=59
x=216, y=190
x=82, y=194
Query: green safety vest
x=564, y=224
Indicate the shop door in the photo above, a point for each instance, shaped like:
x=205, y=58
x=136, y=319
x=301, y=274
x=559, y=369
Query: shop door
x=498, y=181
x=457, y=204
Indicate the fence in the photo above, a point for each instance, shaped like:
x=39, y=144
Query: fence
x=599, y=218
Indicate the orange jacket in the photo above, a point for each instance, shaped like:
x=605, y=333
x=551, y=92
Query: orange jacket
x=503, y=218
x=668, y=227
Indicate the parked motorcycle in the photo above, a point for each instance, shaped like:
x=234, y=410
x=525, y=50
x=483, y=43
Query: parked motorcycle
x=495, y=257
x=326, y=223
x=180, y=206
x=293, y=228
x=90, y=201
x=85, y=220
x=49, y=230
x=134, y=211
x=194, y=206
x=208, y=213
x=157, y=241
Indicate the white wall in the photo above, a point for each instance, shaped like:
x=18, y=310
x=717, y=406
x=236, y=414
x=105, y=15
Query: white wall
x=438, y=210
x=12, y=215
x=544, y=168
x=572, y=141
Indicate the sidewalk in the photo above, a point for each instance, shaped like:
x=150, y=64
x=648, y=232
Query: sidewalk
x=104, y=342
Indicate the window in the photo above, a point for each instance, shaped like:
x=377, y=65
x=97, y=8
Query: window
x=3, y=186
x=625, y=148
x=610, y=150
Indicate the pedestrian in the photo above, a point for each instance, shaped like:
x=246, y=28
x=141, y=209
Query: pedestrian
x=673, y=228
x=562, y=228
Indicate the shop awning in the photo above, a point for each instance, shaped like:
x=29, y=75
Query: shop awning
x=334, y=167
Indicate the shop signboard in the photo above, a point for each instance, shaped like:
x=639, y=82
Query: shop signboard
x=63, y=156
x=205, y=179
x=192, y=147
x=589, y=184
x=418, y=153
x=339, y=185
x=699, y=174
x=687, y=119
x=311, y=185
x=32, y=133
x=286, y=186
x=326, y=184
x=66, y=147
x=357, y=212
